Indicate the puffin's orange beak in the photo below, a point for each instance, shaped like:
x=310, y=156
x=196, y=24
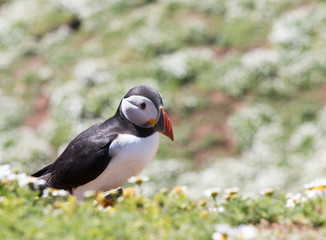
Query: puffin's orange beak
x=163, y=124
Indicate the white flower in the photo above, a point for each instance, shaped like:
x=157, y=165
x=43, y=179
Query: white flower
x=267, y=192
x=315, y=193
x=5, y=171
x=104, y=208
x=55, y=37
x=223, y=228
x=211, y=192
x=307, y=133
x=92, y=71
x=59, y=193
x=11, y=110
x=294, y=199
x=220, y=209
x=25, y=146
x=175, y=64
x=290, y=203
x=67, y=100
x=236, y=81
x=231, y=191
x=288, y=28
x=297, y=28
x=317, y=184
x=316, y=188
x=248, y=121
x=83, y=8
x=24, y=180
x=219, y=236
x=212, y=209
x=145, y=37
x=260, y=58
x=246, y=232
x=138, y=180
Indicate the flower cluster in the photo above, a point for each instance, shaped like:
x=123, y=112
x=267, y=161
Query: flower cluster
x=316, y=188
x=8, y=175
x=21, y=145
x=293, y=200
x=247, y=122
x=242, y=232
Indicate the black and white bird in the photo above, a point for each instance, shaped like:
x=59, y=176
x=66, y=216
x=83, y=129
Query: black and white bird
x=106, y=155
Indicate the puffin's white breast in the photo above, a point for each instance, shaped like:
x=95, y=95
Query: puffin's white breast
x=130, y=155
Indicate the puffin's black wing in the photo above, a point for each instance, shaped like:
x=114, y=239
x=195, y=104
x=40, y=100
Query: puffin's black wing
x=82, y=161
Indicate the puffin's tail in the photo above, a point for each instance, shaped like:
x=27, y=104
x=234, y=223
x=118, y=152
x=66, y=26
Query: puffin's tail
x=42, y=171
x=43, y=174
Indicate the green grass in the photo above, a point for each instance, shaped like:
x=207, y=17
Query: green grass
x=165, y=215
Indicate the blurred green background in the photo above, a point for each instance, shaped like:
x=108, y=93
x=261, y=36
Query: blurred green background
x=243, y=81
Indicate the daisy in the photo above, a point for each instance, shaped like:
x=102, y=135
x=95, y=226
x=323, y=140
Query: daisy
x=223, y=231
x=316, y=188
x=179, y=190
x=246, y=232
x=59, y=193
x=128, y=192
x=212, y=192
x=294, y=199
x=138, y=180
x=267, y=192
x=219, y=236
x=231, y=193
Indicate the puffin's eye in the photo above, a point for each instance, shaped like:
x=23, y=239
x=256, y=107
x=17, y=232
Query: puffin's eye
x=142, y=106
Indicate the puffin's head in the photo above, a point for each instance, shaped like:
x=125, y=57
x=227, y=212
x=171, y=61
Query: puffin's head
x=143, y=106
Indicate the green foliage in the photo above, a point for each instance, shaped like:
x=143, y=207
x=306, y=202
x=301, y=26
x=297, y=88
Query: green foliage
x=166, y=215
x=247, y=122
x=241, y=34
x=51, y=20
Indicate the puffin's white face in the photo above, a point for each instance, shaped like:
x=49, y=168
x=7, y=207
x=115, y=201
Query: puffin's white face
x=140, y=111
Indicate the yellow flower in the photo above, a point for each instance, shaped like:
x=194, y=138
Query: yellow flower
x=178, y=190
x=319, y=188
x=231, y=193
x=4, y=181
x=128, y=192
x=267, y=192
x=99, y=198
x=203, y=214
x=202, y=202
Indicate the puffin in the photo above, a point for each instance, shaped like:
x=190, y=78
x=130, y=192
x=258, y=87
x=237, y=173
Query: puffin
x=106, y=155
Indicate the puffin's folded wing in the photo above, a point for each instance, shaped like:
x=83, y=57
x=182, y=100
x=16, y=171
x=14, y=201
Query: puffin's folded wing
x=81, y=162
